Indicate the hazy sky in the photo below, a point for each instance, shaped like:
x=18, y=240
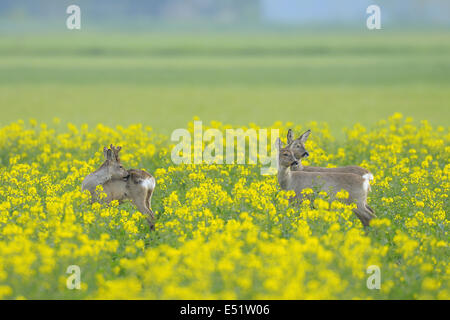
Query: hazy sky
x=41, y=13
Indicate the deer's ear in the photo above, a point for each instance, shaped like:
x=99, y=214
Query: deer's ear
x=278, y=144
x=290, y=136
x=116, y=151
x=109, y=155
x=304, y=136
x=105, y=153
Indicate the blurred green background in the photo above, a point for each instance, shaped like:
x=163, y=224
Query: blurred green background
x=163, y=74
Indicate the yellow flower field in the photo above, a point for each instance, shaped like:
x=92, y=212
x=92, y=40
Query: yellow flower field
x=222, y=231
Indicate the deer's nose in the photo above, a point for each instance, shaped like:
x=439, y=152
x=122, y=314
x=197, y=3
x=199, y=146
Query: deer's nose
x=306, y=154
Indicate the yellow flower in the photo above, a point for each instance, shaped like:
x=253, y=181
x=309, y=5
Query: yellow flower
x=222, y=231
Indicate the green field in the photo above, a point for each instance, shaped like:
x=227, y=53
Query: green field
x=163, y=80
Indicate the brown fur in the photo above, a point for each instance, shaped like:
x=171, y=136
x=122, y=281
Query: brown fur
x=325, y=181
x=121, y=184
x=132, y=188
x=297, y=146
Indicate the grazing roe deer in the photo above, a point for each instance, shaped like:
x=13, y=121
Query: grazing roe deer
x=297, y=146
x=331, y=182
x=138, y=187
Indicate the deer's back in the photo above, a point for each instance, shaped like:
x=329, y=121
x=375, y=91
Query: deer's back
x=138, y=176
x=139, y=181
x=348, y=169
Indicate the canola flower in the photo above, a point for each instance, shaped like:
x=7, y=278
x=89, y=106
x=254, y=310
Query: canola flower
x=222, y=231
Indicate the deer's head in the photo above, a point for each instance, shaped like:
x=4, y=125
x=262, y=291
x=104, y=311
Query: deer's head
x=286, y=157
x=112, y=163
x=297, y=146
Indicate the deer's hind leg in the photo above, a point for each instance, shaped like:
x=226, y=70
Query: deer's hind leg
x=139, y=199
x=148, y=202
x=363, y=214
x=370, y=210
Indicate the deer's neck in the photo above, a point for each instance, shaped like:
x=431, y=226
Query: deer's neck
x=297, y=167
x=284, y=177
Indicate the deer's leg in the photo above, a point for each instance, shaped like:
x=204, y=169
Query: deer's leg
x=140, y=204
x=148, y=202
x=370, y=210
x=363, y=214
x=361, y=217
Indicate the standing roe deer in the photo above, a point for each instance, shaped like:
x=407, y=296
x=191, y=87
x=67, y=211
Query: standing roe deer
x=138, y=187
x=331, y=182
x=297, y=146
x=135, y=185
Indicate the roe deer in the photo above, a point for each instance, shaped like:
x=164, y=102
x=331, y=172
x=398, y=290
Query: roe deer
x=297, y=146
x=331, y=182
x=110, y=169
x=137, y=186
